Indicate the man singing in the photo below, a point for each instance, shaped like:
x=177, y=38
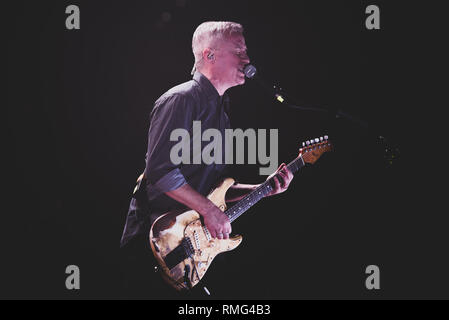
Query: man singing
x=220, y=55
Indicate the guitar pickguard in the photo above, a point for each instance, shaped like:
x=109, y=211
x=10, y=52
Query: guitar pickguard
x=188, y=272
x=173, y=229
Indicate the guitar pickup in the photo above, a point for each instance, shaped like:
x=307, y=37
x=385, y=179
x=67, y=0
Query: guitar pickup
x=197, y=239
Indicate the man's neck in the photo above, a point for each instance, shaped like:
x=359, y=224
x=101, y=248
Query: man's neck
x=218, y=85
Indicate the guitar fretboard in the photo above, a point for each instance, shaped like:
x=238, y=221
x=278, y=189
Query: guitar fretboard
x=264, y=189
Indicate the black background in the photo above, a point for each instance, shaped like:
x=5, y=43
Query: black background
x=76, y=129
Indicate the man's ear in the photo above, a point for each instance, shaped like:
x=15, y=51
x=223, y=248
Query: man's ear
x=208, y=55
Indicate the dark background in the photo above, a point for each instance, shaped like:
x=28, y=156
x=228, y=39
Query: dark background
x=76, y=134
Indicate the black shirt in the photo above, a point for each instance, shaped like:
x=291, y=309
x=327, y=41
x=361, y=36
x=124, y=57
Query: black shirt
x=178, y=108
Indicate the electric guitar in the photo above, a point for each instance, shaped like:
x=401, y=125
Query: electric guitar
x=183, y=246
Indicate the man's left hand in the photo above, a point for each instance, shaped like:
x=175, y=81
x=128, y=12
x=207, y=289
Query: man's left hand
x=280, y=185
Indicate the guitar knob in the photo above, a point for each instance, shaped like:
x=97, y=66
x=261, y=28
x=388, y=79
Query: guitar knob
x=317, y=140
x=321, y=138
x=303, y=144
x=307, y=142
x=326, y=137
x=311, y=141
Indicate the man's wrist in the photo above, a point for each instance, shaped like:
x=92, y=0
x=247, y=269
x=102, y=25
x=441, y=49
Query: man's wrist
x=207, y=208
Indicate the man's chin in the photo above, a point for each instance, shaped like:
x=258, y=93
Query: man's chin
x=238, y=82
x=241, y=81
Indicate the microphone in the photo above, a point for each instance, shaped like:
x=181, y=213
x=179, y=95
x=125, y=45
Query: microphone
x=250, y=72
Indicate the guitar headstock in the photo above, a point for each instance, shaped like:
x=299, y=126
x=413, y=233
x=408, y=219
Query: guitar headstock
x=313, y=149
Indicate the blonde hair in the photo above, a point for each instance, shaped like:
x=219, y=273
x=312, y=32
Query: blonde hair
x=207, y=34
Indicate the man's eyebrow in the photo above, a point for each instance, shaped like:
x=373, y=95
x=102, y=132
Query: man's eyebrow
x=238, y=46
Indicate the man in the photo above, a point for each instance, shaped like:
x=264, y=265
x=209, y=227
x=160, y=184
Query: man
x=220, y=55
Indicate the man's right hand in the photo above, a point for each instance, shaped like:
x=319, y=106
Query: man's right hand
x=217, y=223
x=215, y=220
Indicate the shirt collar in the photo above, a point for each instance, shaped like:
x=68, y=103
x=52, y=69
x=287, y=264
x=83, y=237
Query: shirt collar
x=206, y=85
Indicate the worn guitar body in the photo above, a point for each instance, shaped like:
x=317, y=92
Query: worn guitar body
x=184, y=248
x=177, y=232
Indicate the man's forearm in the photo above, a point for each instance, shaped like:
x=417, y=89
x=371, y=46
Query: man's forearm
x=192, y=199
x=215, y=220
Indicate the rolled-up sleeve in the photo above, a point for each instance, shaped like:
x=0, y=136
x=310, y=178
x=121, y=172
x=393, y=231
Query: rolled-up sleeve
x=169, y=113
x=171, y=181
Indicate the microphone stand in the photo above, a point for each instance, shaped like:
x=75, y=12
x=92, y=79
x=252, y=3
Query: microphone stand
x=391, y=153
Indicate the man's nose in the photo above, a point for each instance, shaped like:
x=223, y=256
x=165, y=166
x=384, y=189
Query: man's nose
x=246, y=59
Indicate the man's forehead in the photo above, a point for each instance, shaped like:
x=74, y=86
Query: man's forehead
x=236, y=40
x=239, y=40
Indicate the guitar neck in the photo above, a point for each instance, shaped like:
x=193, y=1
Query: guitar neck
x=261, y=191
